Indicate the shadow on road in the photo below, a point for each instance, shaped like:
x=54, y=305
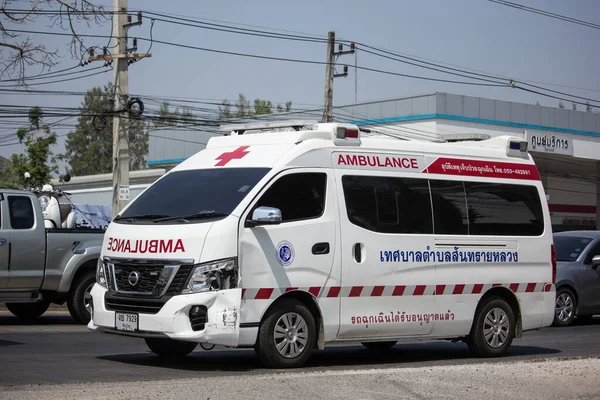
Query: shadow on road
x=9, y=320
x=595, y=321
x=401, y=355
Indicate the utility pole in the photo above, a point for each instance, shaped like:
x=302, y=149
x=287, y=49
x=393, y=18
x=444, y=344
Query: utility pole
x=120, y=155
x=327, y=109
x=123, y=107
x=330, y=74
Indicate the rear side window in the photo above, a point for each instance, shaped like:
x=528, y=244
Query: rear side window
x=388, y=205
x=449, y=207
x=21, y=212
x=298, y=196
x=504, y=210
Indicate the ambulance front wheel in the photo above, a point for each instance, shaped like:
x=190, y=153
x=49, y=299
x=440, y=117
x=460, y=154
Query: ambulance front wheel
x=170, y=348
x=287, y=335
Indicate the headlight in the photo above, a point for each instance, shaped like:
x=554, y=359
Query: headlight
x=44, y=200
x=101, y=273
x=216, y=275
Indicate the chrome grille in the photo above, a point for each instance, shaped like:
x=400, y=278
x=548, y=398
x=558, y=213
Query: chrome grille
x=146, y=281
x=180, y=279
x=143, y=306
x=152, y=279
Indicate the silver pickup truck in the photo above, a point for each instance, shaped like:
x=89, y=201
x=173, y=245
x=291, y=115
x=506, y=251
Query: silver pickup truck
x=40, y=266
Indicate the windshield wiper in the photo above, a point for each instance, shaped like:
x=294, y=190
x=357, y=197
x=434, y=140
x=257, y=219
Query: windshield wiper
x=199, y=215
x=132, y=218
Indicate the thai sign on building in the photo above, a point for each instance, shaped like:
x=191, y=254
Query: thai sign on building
x=549, y=143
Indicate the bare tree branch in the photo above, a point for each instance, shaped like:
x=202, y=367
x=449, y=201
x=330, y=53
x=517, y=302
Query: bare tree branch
x=33, y=9
x=18, y=51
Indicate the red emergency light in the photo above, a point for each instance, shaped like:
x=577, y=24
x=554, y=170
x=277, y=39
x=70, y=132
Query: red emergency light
x=346, y=133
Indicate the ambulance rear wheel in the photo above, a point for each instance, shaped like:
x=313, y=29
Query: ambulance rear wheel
x=379, y=346
x=493, y=330
x=287, y=335
x=170, y=348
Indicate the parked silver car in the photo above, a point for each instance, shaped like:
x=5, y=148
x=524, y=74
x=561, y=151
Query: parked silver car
x=578, y=276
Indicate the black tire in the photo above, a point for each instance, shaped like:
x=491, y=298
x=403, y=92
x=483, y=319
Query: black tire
x=170, y=348
x=495, y=318
x=288, y=312
x=79, y=297
x=28, y=311
x=565, y=307
x=379, y=346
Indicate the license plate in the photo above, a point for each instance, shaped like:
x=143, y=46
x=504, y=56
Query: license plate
x=126, y=322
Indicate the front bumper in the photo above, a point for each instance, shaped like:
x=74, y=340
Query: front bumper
x=173, y=320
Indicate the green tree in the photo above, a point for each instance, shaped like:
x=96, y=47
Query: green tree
x=243, y=109
x=88, y=149
x=287, y=108
x=167, y=117
x=262, y=107
x=560, y=104
x=225, y=110
x=38, y=159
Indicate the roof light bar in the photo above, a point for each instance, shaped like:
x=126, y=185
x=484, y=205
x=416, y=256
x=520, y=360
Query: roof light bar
x=267, y=125
x=346, y=133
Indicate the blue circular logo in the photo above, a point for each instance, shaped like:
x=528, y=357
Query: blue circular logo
x=285, y=253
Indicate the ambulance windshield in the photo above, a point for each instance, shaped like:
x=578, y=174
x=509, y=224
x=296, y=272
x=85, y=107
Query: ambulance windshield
x=192, y=196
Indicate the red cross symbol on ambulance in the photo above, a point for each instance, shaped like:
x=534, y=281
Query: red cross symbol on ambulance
x=238, y=153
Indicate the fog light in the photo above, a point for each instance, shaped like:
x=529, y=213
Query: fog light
x=198, y=317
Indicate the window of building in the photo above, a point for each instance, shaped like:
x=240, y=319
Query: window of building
x=21, y=212
x=449, y=207
x=388, y=205
x=298, y=196
x=504, y=210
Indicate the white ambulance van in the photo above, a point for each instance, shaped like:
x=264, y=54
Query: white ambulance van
x=288, y=239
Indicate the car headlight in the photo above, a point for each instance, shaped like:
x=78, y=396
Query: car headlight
x=215, y=275
x=101, y=273
x=44, y=200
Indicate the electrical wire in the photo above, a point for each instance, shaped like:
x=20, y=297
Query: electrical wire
x=546, y=13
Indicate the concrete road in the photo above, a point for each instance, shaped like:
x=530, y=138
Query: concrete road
x=544, y=380
x=35, y=350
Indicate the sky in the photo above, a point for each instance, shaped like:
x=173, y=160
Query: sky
x=478, y=35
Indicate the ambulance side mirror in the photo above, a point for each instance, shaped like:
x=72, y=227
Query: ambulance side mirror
x=265, y=216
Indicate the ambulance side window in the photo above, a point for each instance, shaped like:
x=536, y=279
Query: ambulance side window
x=504, y=210
x=449, y=207
x=299, y=196
x=388, y=205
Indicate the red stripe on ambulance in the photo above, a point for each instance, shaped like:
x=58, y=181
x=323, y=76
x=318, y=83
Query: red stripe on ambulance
x=397, y=290
x=480, y=168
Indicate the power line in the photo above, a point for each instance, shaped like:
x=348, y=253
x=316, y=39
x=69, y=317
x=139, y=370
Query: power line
x=65, y=80
x=546, y=13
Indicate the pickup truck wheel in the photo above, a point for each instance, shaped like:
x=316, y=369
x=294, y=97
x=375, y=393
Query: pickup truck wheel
x=79, y=301
x=170, y=348
x=28, y=310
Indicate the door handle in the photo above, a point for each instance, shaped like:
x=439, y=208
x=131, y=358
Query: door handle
x=3, y=241
x=358, y=252
x=320, y=248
